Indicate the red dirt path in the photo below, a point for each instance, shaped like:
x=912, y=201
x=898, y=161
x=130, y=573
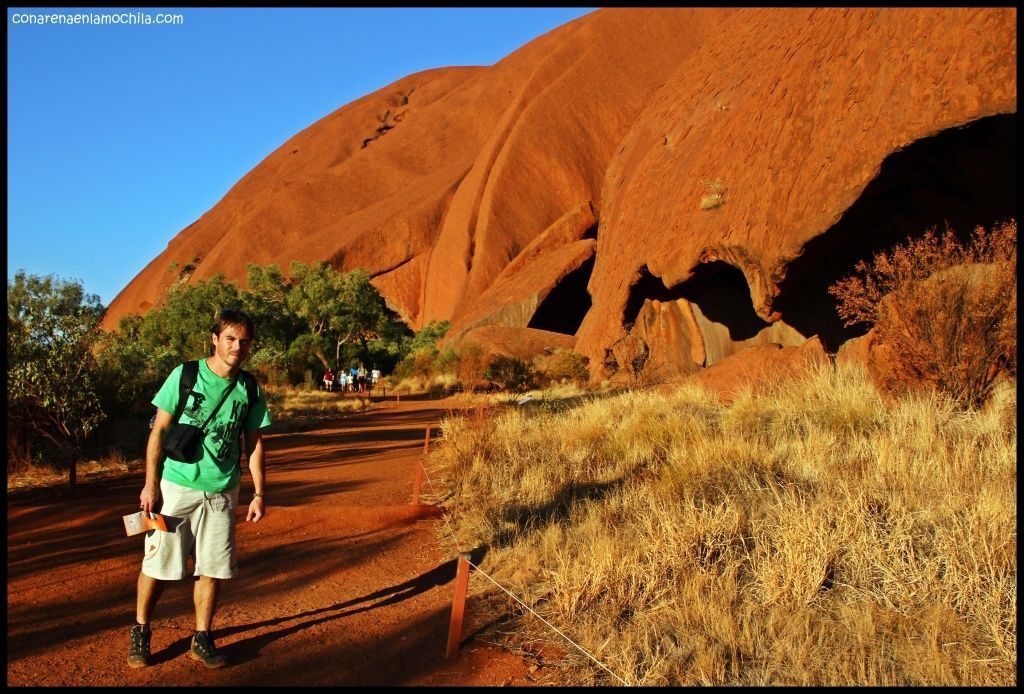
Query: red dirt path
x=342, y=583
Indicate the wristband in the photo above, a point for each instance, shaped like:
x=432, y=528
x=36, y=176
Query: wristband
x=259, y=495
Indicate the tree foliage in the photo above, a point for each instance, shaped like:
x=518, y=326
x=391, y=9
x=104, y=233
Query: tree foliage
x=341, y=306
x=180, y=324
x=315, y=318
x=51, y=396
x=65, y=376
x=422, y=358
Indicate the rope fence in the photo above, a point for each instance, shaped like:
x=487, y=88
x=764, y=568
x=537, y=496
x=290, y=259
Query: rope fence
x=422, y=472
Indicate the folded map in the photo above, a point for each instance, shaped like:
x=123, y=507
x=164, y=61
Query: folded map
x=135, y=523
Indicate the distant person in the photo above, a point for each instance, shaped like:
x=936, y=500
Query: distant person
x=342, y=380
x=361, y=375
x=374, y=377
x=203, y=494
x=329, y=380
x=353, y=377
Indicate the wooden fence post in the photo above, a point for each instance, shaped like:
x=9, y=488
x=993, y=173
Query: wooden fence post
x=418, y=480
x=458, y=605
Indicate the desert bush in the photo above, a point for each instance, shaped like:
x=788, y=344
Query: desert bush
x=565, y=365
x=470, y=362
x=944, y=310
x=630, y=358
x=512, y=374
x=418, y=364
x=812, y=534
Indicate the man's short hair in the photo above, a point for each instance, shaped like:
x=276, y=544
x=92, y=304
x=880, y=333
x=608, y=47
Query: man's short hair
x=231, y=316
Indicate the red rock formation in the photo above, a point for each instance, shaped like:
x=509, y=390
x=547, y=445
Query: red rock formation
x=462, y=168
x=791, y=113
x=733, y=151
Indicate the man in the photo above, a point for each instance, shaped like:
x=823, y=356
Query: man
x=201, y=497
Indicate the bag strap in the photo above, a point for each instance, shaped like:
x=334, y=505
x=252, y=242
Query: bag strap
x=186, y=382
x=227, y=392
x=250, y=390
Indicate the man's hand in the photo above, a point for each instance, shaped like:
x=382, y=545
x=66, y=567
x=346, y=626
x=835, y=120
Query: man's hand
x=148, y=498
x=255, y=510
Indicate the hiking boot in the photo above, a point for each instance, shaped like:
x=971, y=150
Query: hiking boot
x=138, y=649
x=204, y=650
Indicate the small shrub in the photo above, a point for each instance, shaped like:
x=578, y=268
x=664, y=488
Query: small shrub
x=566, y=365
x=714, y=195
x=470, y=365
x=632, y=355
x=944, y=311
x=418, y=364
x=512, y=374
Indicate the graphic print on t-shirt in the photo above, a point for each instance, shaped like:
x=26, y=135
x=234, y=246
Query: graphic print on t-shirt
x=195, y=410
x=224, y=434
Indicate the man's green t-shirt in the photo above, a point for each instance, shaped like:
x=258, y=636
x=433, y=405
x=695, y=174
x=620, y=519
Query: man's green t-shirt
x=218, y=470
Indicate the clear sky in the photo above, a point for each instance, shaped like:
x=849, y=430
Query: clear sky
x=121, y=135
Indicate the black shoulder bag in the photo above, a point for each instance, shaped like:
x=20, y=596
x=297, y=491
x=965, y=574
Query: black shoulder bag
x=184, y=442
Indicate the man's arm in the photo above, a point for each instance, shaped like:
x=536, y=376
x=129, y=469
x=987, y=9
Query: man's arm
x=254, y=444
x=151, y=491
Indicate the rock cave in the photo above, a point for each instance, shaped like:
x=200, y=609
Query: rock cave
x=963, y=177
x=565, y=306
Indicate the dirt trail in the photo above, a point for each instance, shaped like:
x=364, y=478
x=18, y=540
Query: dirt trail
x=343, y=583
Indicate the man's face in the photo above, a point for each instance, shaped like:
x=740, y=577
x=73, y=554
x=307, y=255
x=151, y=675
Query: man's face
x=232, y=346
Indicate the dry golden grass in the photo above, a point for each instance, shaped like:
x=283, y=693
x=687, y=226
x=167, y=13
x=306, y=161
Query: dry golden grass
x=436, y=382
x=813, y=535
x=294, y=403
x=552, y=395
x=111, y=463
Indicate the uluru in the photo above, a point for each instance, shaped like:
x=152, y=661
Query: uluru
x=692, y=180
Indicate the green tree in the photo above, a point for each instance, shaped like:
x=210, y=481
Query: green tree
x=429, y=336
x=419, y=356
x=340, y=306
x=180, y=326
x=130, y=370
x=51, y=397
x=303, y=354
x=134, y=360
x=266, y=300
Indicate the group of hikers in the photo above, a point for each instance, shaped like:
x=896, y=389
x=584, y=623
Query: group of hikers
x=356, y=380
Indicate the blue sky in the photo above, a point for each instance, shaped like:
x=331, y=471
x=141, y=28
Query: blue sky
x=121, y=135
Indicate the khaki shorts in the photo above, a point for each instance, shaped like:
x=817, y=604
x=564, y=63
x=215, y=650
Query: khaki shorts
x=201, y=526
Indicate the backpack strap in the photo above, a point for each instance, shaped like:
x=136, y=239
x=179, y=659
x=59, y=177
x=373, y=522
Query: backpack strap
x=251, y=392
x=186, y=382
